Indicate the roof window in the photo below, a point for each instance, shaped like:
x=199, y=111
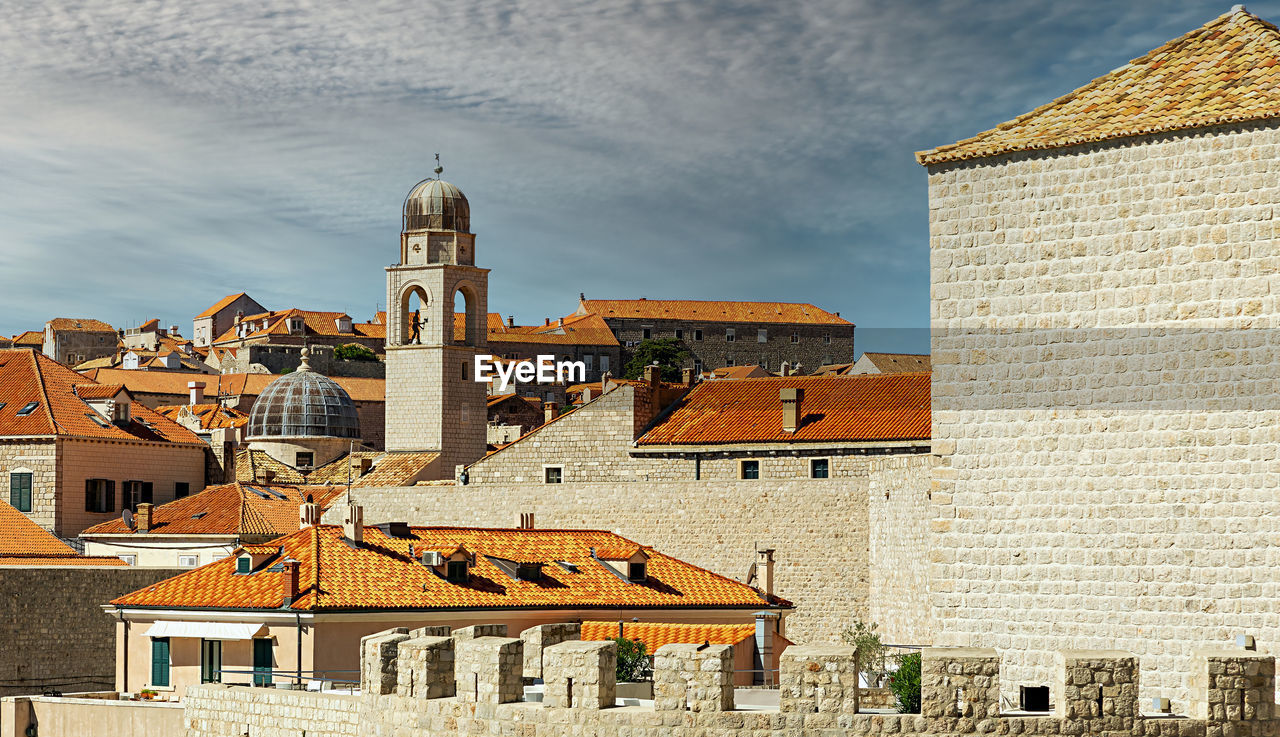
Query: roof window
x=28, y=409
x=457, y=571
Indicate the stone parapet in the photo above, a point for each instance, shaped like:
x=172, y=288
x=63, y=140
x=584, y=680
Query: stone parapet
x=960, y=685
x=425, y=669
x=537, y=639
x=693, y=677
x=580, y=674
x=379, y=660
x=489, y=670
x=1233, y=686
x=819, y=679
x=1097, y=688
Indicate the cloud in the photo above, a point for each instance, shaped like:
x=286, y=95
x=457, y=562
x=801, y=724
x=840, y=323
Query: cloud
x=158, y=155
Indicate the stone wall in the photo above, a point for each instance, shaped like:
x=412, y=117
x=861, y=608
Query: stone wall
x=54, y=632
x=960, y=690
x=816, y=345
x=39, y=458
x=1104, y=397
x=822, y=559
x=901, y=547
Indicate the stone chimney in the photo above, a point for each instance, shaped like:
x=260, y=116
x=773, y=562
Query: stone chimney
x=353, y=523
x=511, y=321
x=142, y=519
x=549, y=411
x=786, y=369
x=686, y=377
x=764, y=570
x=360, y=466
x=196, y=390
x=586, y=395
x=173, y=330
x=605, y=377
x=792, y=398
x=651, y=374
x=546, y=321
x=308, y=515
x=526, y=520
x=290, y=579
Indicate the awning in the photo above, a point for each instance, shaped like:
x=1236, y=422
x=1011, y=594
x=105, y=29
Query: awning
x=205, y=630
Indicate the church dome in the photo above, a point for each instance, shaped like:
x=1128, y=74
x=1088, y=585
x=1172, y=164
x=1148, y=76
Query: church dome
x=304, y=404
x=433, y=204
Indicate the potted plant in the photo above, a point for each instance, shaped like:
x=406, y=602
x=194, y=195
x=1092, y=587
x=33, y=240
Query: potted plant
x=146, y=694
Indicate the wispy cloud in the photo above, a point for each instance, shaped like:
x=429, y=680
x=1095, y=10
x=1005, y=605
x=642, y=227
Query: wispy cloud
x=155, y=155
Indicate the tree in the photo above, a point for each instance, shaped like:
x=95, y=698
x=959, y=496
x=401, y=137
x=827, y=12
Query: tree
x=869, y=651
x=354, y=352
x=633, y=662
x=669, y=353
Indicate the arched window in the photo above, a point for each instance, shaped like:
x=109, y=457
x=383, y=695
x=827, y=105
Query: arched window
x=466, y=321
x=413, y=316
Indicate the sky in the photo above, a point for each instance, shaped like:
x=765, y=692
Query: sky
x=157, y=155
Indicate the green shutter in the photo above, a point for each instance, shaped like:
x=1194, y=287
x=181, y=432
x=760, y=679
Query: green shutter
x=262, y=662
x=88, y=495
x=20, y=491
x=159, y=661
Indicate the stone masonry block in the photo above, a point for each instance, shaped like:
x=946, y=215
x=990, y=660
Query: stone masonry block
x=693, y=677
x=819, y=679
x=378, y=660
x=960, y=683
x=489, y=670
x=480, y=630
x=537, y=639
x=425, y=667
x=1097, y=689
x=580, y=674
x=431, y=630
x=1232, y=685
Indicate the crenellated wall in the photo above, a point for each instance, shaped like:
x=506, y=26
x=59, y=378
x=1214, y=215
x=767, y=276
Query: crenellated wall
x=1096, y=694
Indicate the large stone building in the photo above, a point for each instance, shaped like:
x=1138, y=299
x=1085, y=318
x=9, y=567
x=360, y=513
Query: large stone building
x=221, y=316
x=74, y=452
x=73, y=341
x=272, y=342
x=718, y=334
x=1104, y=279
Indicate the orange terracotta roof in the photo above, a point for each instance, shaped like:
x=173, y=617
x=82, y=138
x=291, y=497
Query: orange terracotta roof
x=250, y=385
x=898, y=363
x=619, y=552
x=150, y=325
x=230, y=509
x=316, y=323
x=656, y=634
x=255, y=466
x=220, y=305
x=30, y=378
x=80, y=325
x=97, y=391
x=31, y=338
x=833, y=369
x=380, y=574
x=210, y=416
x=739, y=372
x=711, y=311
x=588, y=329
x=389, y=469
x=24, y=543
x=1226, y=71
x=834, y=408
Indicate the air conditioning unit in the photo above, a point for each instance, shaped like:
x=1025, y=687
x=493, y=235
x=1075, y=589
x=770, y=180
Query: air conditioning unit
x=432, y=558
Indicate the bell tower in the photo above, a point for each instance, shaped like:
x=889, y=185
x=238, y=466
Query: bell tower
x=433, y=402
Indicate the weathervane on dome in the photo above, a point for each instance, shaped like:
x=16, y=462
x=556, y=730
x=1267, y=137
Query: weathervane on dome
x=439, y=169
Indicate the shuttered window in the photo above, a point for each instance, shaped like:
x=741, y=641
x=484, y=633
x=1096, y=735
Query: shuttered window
x=20, y=491
x=160, y=661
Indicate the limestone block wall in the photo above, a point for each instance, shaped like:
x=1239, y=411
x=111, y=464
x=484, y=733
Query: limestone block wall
x=54, y=633
x=819, y=679
x=215, y=710
x=538, y=639
x=1103, y=322
x=822, y=559
x=39, y=458
x=581, y=674
x=694, y=677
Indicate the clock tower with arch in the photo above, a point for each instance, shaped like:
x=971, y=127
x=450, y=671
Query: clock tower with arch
x=433, y=402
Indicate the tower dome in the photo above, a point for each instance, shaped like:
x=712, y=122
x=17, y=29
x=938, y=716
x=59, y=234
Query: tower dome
x=303, y=404
x=434, y=204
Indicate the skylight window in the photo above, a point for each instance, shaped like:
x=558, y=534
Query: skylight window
x=97, y=420
x=28, y=409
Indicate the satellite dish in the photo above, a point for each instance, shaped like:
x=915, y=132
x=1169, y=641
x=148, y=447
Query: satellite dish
x=127, y=516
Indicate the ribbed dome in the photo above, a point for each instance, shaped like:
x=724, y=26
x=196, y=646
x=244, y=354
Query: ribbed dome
x=436, y=205
x=304, y=404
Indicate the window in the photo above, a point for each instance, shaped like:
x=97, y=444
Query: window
x=764, y=363
x=728, y=361
x=795, y=337
x=211, y=661
x=589, y=360
x=826, y=339
x=244, y=565
x=457, y=571
x=99, y=495
x=819, y=468
x=181, y=489
x=697, y=366
x=133, y=493
x=553, y=474
x=529, y=572
x=635, y=572
x=679, y=334
x=697, y=335
x=20, y=491
x=762, y=336
x=188, y=561
x=130, y=559
x=749, y=470
x=304, y=460
x=160, y=661
x=262, y=662
x=646, y=333
x=729, y=335
x=28, y=409
x=604, y=363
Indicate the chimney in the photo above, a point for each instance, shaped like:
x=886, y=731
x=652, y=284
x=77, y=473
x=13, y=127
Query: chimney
x=143, y=518
x=360, y=466
x=786, y=369
x=764, y=570
x=651, y=374
x=239, y=316
x=308, y=515
x=604, y=381
x=511, y=321
x=559, y=322
x=196, y=390
x=290, y=578
x=686, y=377
x=546, y=321
x=548, y=411
x=792, y=398
x=353, y=523
x=586, y=395
x=526, y=520
x=173, y=330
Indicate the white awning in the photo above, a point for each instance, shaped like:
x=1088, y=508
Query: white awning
x=205, y=630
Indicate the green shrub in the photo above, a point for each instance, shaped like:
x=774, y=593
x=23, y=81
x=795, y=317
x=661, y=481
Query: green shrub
x=354, y=352
x=905, y=683
x=633, y=662
x=871, y=657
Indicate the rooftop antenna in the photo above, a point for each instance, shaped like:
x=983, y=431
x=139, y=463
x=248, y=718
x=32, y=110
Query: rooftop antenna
x=439, y=169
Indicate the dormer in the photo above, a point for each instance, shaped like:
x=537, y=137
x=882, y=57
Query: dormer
x=295, y=325
x=130, y=361
x=453, y=564
x=110, y=402
x=252, y=559
x=630, y=563
x=343, y=323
